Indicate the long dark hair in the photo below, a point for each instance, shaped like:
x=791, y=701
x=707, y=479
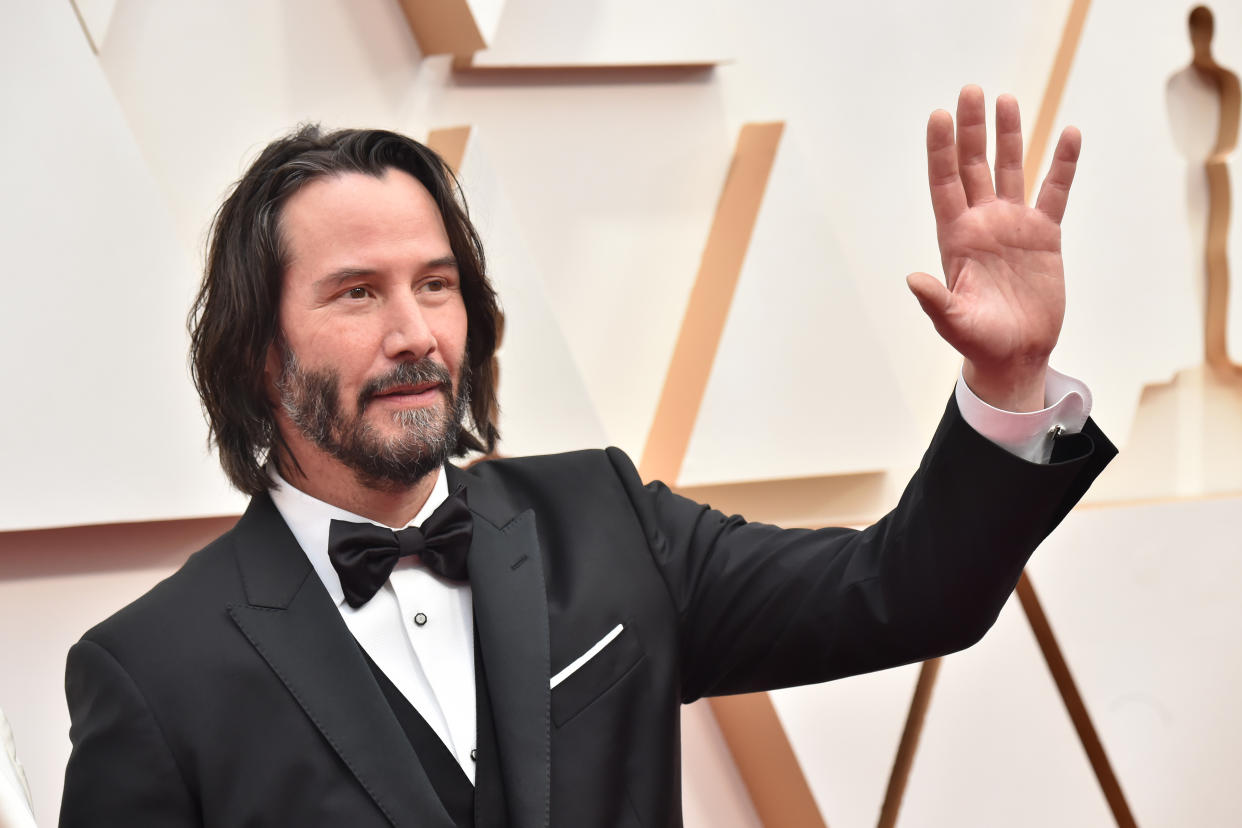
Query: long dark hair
x=234, y=320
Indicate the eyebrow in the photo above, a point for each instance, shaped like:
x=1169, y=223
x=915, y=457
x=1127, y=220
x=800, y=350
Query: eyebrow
x=337, y=277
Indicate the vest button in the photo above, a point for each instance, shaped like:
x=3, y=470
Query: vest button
x=474, y=755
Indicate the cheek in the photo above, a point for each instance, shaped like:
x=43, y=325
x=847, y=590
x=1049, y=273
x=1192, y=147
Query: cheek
x=451, y=338
x=344, y=343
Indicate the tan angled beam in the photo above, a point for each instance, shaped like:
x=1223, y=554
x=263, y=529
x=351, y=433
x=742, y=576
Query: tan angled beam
x=1037, y=146
x=906, y=749
x=1048, y=645
x=749, y=724
x=1074, y=704
x=710, y=298
x=443, y=27
x=766, y=762
x=450, y=144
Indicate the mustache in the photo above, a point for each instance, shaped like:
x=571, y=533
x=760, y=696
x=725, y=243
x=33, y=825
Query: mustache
x=407, y=373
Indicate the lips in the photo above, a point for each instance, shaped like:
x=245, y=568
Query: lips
x=412, y=383
x=418, y=394
x=409, y=390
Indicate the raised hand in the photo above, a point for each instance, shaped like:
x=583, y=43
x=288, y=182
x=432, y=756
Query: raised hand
x=1003, y=299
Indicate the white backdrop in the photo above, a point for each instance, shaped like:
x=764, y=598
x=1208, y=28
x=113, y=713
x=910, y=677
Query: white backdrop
x=595, y=193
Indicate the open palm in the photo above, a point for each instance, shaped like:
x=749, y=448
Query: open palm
x=1003, y=299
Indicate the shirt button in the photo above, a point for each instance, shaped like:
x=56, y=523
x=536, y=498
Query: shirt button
x=474, y=755
x=420, y=619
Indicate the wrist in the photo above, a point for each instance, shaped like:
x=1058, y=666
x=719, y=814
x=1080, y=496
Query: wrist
x=1011, y=387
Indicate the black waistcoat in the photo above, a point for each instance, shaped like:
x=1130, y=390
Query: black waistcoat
x=481, y=805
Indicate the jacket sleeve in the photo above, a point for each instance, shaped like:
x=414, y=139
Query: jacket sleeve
x=761, y=607
x=121, y=771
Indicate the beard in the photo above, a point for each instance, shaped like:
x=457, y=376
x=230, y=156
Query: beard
x=425, y=439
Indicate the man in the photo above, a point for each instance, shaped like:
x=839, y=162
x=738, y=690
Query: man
x=312, y=667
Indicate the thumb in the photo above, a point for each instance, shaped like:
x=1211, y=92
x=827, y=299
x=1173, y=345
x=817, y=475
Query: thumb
x=933, y=296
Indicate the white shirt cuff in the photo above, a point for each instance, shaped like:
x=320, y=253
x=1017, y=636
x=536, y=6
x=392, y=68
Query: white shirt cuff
x=1029, y=435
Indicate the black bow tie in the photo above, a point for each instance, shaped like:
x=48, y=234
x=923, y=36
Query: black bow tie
x=364, y=554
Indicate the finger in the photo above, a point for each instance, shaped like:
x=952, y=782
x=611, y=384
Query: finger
x=1055, y=190
x=933, y=296
x=948, y=197
x=1009, y=180
x=972, y=145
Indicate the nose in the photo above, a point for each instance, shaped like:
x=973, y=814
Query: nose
x=407, y=334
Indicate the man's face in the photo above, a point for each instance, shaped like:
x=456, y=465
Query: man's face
x=374, y=328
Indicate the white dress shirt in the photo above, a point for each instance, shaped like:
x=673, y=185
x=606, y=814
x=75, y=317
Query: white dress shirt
x=432, y=662
x=431, y=659
x=1067, y=404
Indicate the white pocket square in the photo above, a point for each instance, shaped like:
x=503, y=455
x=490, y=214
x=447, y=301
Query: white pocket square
x=577, y=663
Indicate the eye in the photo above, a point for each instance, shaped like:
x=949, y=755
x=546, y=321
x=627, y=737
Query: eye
x=435, y=285
x=356, y=293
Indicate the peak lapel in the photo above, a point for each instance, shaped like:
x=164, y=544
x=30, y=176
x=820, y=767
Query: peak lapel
x=511, y=611
x=290, y=619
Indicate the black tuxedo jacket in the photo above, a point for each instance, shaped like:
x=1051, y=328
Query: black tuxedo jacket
x=233, y=694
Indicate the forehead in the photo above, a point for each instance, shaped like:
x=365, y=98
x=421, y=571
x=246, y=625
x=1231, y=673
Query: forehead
x=333, y=215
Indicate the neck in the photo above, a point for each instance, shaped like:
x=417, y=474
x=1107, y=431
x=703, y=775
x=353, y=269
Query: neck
x=327, y=479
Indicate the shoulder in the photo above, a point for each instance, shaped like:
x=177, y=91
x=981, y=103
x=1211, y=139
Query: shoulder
x=568, y=488
x=202, y=585
x=590, y=468
x=581, y=461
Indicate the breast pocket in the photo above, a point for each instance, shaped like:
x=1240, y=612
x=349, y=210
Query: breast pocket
x=589, y=675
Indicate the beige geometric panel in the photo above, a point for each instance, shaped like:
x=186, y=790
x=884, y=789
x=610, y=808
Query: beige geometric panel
x=800, y=355
x=100, y=421
x=998, y=747
x=54, y=584
x=1145, y=603
x=845, y=734
x=614, y=189
x=713, y=794
x=204, y=86
x=1133, y=317
x=858, y=81
x=1186, y=441
x=544, y=405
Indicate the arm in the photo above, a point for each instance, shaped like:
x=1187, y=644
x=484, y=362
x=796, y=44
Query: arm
x=761, y=607
x=121, y=771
